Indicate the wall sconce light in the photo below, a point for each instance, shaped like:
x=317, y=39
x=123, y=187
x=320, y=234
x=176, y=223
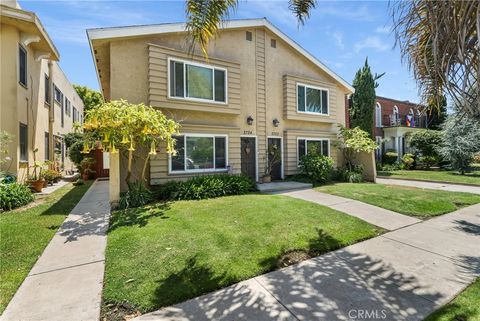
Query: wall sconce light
x=250, y=120
x=276, y=122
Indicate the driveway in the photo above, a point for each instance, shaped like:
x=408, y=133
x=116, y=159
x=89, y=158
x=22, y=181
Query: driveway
x=402, y=275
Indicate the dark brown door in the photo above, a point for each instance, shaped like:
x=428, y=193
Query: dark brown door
x=277, y=165
x=248, y=153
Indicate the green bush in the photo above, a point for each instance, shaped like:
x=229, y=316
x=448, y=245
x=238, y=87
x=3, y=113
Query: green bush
x=78, y=182
x=14, y=195
x=317, y=167
x=136, y=196
x=391, y=167
x=203, y=187
x=408, y=161
x=355, y=175
x=51, y=175
x=390, y=158
x=428, y=161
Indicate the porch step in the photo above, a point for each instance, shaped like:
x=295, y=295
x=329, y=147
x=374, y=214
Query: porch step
x=282, y=186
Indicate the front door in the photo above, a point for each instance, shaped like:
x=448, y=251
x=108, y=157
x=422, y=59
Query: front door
x=275, y=157
x=248, y=154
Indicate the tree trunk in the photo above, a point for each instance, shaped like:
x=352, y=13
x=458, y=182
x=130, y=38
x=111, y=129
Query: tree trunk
x=129, y=167
x=144, y=170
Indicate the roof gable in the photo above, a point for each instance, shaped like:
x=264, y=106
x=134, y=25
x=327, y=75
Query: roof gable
x=144, y=30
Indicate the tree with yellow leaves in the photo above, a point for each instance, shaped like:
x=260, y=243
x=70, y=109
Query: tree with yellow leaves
x=119, y=125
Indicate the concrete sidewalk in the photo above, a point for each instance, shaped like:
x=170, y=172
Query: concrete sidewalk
x=372, y=214
x=403, y=275
x=430, y=185
x=66, y=282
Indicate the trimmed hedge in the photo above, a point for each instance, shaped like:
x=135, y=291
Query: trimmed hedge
x=203, y=187
x=14, y=195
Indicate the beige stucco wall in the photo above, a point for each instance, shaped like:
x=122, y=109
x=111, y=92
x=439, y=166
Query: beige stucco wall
x=26, y=104
x=262, y=69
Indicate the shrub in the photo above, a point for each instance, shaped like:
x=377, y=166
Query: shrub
x=318, y=167
x=391, y=167
x=354, y=175
x=136, y=196
x=390, y=158
x=51, y=175
x=408, y=161
x=203, y=187
x=425, y=141
x=78, y=182
x=75, y=153
x=428, y=161
x=14, y=195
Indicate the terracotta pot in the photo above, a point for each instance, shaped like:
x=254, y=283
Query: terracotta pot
x=85, y=177
x=45, y=183
x=37, y=186
x=267, y=179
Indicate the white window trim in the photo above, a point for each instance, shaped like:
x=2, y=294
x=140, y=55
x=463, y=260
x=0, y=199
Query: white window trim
x=312, y=87
x=306, y=148
x=193, y=63
x=208, y=170
x=378, y=115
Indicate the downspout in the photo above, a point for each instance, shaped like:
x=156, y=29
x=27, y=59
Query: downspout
x=51, y=114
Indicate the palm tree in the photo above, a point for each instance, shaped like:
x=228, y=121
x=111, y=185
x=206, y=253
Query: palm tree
x=439, y=41
x=205, y=16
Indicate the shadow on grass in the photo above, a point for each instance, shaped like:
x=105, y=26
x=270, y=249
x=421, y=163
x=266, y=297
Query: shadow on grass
x=138, y=216
x=324, y=288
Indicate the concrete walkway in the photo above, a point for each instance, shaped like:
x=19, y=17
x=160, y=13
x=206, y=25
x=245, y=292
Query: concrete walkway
x=372, y=214
x=66, y=282
x=430, y=185
x=402, y=275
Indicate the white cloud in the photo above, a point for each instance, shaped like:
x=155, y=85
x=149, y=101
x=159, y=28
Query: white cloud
x=338, y=37
x=371, y=42
x=354, y=13
x=384, y=29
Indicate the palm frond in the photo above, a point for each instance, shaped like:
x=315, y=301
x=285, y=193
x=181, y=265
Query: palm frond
x=301, y=9
x=203, y=20
x=439, y=40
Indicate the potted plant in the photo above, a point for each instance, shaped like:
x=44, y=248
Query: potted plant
x=86, y=167
x=35, y=181
x=51, y=176
x=272, y=159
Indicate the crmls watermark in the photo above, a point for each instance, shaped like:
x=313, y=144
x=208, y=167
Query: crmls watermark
x=362, y=314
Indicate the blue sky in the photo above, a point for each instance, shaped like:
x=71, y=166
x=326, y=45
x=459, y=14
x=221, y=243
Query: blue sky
x=339, y=33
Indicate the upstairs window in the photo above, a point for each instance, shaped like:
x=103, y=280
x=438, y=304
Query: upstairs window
x=68, y=107
x=58, y=95
x=313, y=146
x=312, y=100
x=47, y=89
x=22, y=65
x=378, y=115
x=197, y=82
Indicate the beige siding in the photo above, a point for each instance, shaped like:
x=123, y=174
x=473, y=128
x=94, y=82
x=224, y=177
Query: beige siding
x=158, y=82
x=159, y=172
x=291, y=147
x=261, y=98
x=290, y=99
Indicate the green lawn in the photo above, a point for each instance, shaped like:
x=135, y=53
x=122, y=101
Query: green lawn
x=167, y=253
x=440, y=176
x=465, y=307
x=411, y=201
x=24, y=234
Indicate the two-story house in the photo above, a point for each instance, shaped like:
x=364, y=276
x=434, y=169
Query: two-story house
x=394, y=119
x=38, y=105
x=257, y=88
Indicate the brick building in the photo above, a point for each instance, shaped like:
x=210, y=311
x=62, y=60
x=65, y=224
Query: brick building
x=393, y=120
